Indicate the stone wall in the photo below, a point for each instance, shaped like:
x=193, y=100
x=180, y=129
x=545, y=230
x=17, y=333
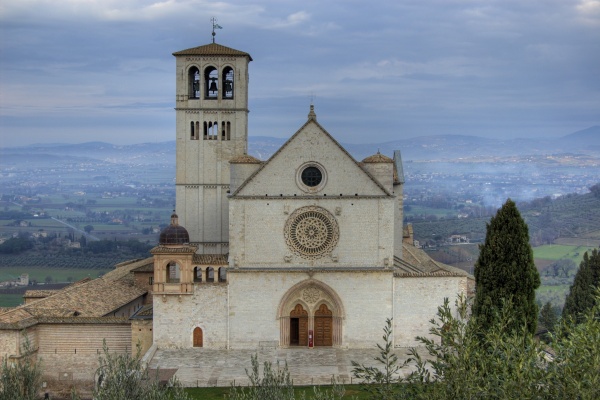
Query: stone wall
x=365, y=301
x=415, y=303
x=69, y=352
x=366, y=234
x=176, y=316
x=143, y=281
x=141, y=333
x=9, y=343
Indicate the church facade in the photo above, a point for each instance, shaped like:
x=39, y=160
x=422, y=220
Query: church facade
x=306, y=249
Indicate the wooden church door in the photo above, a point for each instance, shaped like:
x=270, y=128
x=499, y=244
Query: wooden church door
x=323, y=326
x=299, y=326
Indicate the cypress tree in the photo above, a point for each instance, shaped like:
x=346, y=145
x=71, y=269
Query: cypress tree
x=581, y=294
x=505, y=273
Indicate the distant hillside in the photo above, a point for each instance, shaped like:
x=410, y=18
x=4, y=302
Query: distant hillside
x=436, y=147
x=143, y=153
x=570, y=216
x=590, y=135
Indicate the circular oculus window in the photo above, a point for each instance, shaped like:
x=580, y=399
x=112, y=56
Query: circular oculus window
x=311, y=232
x=311, y=177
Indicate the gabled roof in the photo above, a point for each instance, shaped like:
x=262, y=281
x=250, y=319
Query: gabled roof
x=212, y=49
x=311, y=120
x=144, y=313
x=416, y=263
x=94, y=298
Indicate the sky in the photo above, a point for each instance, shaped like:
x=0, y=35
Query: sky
x=74, y=71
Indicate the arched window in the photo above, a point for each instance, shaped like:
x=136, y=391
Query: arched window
x=194, y=83
x=197, y=274
x=225, y=130
x=173, y=273
x=210, y=274
x=228, y=83
x=211, y=130
x=222, y=274
x=211, y=83
x=193, y=131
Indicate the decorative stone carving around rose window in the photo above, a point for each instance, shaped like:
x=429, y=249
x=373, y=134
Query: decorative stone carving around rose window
x=311, y=232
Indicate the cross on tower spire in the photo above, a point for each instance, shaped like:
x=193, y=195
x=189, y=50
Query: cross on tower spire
x=214, y=26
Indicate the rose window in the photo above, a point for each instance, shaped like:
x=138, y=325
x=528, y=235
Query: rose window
x=311, y=232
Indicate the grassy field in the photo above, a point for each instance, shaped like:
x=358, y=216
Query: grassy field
x=352, y=391
x=557, y=252
x=422, y=210
x=11, y=300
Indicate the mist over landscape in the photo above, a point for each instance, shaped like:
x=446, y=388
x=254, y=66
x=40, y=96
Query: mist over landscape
x=486, y=171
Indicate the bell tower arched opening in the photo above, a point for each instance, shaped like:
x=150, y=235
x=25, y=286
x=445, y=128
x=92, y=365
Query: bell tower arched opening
x=227, y=83
x=211, y=82
x=194, y=83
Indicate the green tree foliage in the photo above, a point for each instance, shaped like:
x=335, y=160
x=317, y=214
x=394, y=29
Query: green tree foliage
x=581, y=293
x=134, y=247
x=382, y=383
x=16, y=245
x=21, y=380
x=548, y=317
x=123, y=376
x=562, y=267
x=505, y=272
x=275, y=384
x=468, y=362
x=575, y=370
x=88, y=228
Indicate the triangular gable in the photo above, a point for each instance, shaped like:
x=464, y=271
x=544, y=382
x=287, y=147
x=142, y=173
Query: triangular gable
x=311, y=143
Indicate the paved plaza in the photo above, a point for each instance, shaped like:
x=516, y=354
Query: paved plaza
x=206, y=367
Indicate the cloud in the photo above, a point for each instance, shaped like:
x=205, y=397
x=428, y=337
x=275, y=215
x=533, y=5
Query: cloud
x=430, y=66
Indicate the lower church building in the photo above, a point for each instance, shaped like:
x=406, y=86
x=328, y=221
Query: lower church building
x=305, y=249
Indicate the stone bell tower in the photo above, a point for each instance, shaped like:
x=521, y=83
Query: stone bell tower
x=212, y=128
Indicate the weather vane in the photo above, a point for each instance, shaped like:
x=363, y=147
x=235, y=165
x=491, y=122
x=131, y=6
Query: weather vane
x=214, y=26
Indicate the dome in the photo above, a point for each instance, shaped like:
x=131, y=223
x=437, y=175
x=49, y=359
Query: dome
x=174, y=233
x=378, y=158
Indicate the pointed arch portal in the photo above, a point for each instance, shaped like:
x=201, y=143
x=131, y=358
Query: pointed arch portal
x=310, y=306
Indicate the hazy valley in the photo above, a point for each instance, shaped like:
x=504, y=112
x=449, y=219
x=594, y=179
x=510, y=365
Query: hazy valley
x=75, y=201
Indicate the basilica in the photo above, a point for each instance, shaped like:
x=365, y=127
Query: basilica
x=307, y=248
